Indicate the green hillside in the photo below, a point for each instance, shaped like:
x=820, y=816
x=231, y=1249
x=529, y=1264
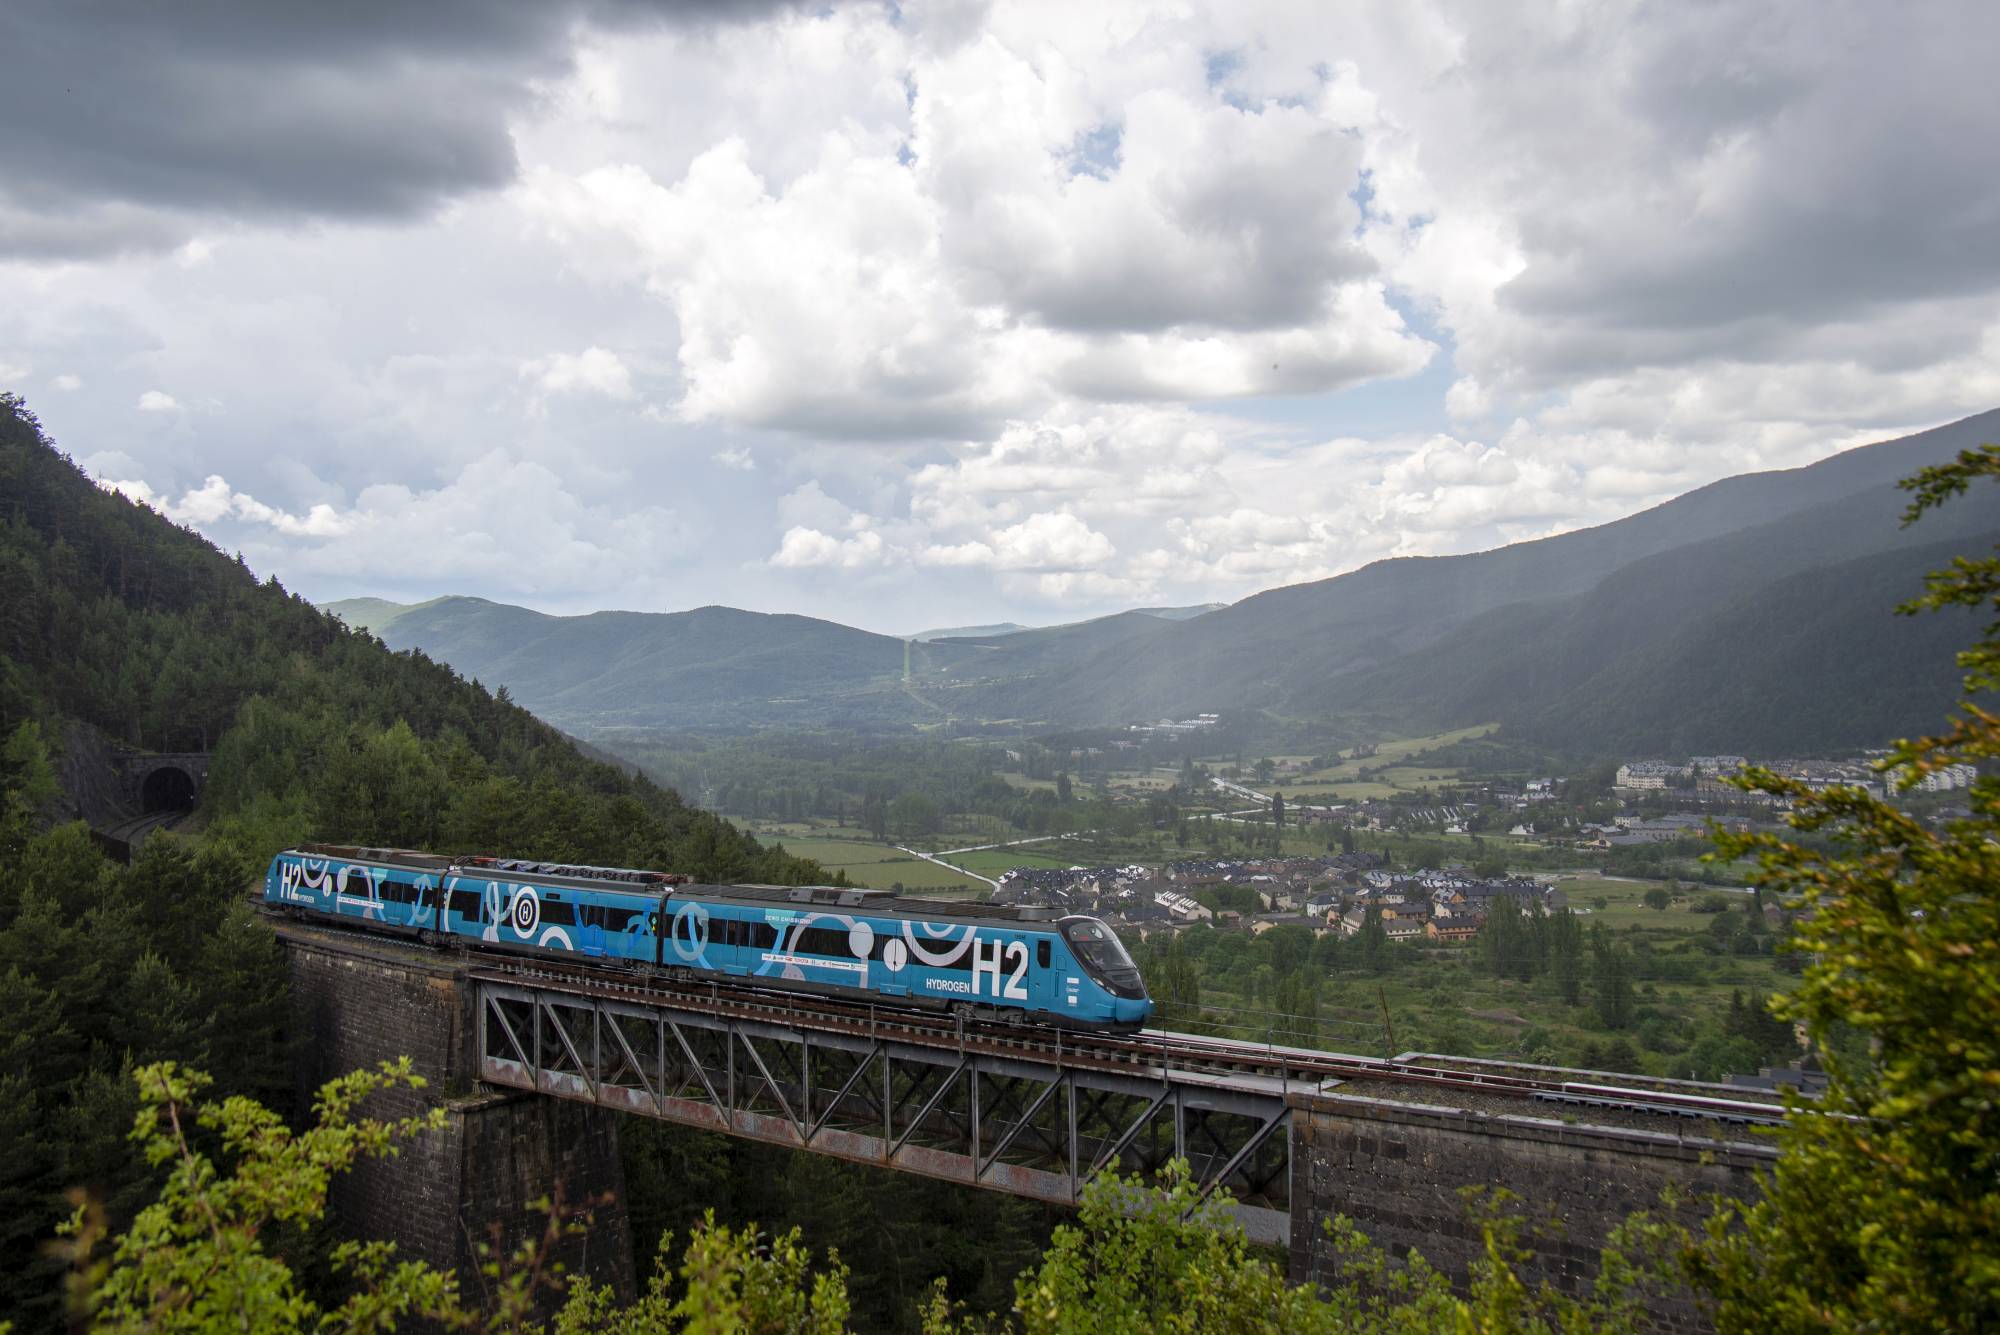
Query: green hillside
x=1282, y=651
x=116, y=620
x=119, y=619
x=1554, y=638
x=711, y=667
x=374, y=615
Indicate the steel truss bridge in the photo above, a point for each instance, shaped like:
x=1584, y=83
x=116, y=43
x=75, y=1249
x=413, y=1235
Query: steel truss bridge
x=1031, y=1111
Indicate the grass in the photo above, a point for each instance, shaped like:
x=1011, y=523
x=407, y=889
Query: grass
x=1625, y=906
x=1343, y=782
x=993, y=861
x=1353, y=790
x=877, y=866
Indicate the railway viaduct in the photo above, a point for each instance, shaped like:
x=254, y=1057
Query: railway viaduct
x=535, y=1065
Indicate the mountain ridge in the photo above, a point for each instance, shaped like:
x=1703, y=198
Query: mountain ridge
x=1356, y=645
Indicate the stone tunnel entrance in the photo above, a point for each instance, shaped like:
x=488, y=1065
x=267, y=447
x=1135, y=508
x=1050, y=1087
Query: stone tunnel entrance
x=167, y=789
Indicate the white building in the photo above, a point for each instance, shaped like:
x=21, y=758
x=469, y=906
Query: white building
x=1181, y=907
x=1947, y=779
x=1648, y=774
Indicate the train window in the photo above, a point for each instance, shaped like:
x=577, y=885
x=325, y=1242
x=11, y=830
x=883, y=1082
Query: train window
x=1042, y=953
x=606, y=917
x=831, y=941
x=747, y=935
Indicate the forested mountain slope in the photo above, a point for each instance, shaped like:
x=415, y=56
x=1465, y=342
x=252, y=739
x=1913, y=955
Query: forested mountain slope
x=119, y=618
x=719, y=667
x=1811, y=662
x=114, y=617
x=1563, y=638
x=710, y=667
x=1283, y=650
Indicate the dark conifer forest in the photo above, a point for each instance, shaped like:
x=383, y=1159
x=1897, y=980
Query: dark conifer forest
x=118, y=627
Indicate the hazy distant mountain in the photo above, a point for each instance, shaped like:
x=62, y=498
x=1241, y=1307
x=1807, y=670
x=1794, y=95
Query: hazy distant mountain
x=374, y=615
x=1428, y=642
x=711, y=667
x=1180, y=613
x=961, y=632
x=1753, y=614
x=1000, y=628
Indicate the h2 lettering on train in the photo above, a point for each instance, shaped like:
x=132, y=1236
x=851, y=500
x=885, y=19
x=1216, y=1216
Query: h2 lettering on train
x=991, y=961
x=291, y=875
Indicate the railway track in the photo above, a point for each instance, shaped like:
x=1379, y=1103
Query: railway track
x=131, y=833
x=1148, y=1049
x=1538, y=1090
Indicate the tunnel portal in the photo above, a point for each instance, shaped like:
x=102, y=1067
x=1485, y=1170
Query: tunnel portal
x=167, y=788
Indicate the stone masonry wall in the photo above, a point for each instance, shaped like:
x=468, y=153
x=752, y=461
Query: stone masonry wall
x=1397, y=1171
x=359, y=1001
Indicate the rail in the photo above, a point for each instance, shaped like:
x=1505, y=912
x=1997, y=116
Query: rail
x=1154, y=1049
x=1028, y=1109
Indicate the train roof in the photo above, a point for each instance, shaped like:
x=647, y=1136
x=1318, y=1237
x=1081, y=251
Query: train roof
x=638, y=881
x=869, y=901
x=633, y=879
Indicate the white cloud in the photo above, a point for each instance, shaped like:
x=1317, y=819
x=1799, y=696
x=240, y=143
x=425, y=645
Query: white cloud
x=592, y=371
x=215, y=501
x=819, y=308
x=553, y=544
x=1051, y=542
x=978, y=268
x=806, y=548
x=1091, y=205
x=955, y=289
x=13, y=373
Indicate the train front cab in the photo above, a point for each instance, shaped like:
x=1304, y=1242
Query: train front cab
x=1102, y=956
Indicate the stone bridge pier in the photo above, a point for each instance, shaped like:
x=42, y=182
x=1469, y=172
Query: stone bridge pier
x=1397, y=1158
x=448, y=1193
x=1403, y=1171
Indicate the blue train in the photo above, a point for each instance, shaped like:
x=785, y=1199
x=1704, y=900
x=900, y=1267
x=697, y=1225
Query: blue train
x=1015, y=962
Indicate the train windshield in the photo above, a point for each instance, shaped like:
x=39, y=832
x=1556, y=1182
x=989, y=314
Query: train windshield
x=1103, y=956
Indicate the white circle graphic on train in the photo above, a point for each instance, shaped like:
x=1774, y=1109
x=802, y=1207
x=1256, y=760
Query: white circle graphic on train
x=936, y=931
x=894, y=955
x=690, y=931
x=861, y=940
x=526, y=910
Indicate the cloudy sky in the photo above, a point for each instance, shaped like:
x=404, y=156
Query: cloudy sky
x=936, y=313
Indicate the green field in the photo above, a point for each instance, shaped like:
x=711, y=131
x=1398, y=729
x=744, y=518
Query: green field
x=993, y=861
x=876, y=866
x=1342, y=782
